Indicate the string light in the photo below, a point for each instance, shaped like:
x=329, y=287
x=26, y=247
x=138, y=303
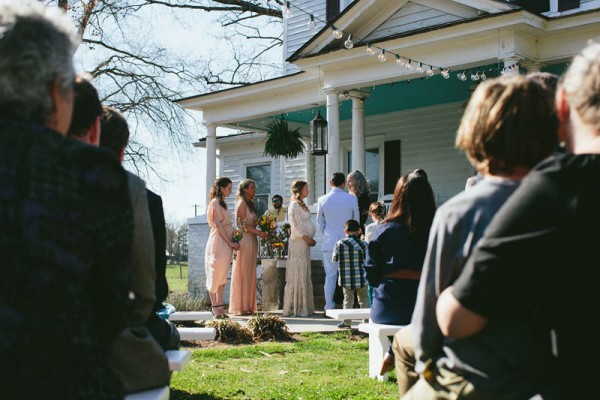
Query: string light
x=475, y=77
x=337, y=34
x=370, y=49
x=430, y=71
x=349, y=43
x=381, y=57
x=420, y=68
x=409, y=65
x=399, y=60
x=311, y=23
x=483, y=77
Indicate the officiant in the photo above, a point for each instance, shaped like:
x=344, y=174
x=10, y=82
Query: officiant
x=278, y=212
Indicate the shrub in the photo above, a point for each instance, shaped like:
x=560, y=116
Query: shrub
x=229, y=331
x=183, y=302
x=268, y=327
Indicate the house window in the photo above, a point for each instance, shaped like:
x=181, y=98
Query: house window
x=261, y=175
x=372, y=170
x=334, y=7
x=564, y=5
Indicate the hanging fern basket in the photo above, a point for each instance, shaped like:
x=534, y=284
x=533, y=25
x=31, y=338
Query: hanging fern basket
x=282, y=141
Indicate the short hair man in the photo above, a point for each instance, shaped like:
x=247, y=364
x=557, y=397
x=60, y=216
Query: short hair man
x=333, y=210
x=350, y=254
x=65, y=222
x=87, y=110
x=517, y=274
x=131, y=368
x=278, y=212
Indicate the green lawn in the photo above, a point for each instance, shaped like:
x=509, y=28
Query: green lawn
x=316, y=366
x=177, y=279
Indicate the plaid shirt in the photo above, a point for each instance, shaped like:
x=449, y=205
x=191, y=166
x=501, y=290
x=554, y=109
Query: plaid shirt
x=350, y=252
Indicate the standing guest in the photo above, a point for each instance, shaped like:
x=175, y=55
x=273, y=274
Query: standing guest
x=242, y=299
x=510, y=286
x=350, y=254
x=220, y=245
x=298, y=298
x=378, y=212
x=396, y=253
x=359, y=187
x=136, y=357
x=279, y=213
x=334, y=209
x=87, y=111
x=507, y=128
x=65, y=222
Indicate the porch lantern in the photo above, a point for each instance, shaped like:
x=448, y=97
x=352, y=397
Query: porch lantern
x=318, y=133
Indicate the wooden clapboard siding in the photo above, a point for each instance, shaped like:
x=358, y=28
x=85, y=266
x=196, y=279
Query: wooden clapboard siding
x=411, y=17
x=296, y=31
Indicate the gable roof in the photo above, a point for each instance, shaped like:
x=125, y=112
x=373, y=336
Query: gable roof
x=370, y=21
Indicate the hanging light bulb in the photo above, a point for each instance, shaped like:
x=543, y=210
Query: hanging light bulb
x=311, y=23
x=349, y=43
x=462, y=76
x=420, y=68
x=399, y=60
x=337, y=34
x=409, y=65
x=370, y=50
x=287, y=11
x=445, y=73
x=430, y=71
x=381, y=57
x=475, y=77
x=483, y=77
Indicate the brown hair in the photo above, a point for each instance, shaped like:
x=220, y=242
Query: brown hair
x=216, y=190
x=295, y=190
x=378, y=208
x=413, y=203
x=509, y=122
x=244, y=184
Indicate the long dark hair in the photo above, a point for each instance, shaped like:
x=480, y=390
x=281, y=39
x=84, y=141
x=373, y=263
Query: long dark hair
x=414, y=204
x=216, y=190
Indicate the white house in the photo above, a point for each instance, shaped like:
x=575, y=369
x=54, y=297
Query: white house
x=391, y=78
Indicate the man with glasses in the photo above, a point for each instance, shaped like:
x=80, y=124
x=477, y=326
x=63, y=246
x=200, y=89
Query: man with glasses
x=278, y=212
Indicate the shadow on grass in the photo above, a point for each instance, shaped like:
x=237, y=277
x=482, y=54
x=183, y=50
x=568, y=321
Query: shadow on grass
x=181, y=395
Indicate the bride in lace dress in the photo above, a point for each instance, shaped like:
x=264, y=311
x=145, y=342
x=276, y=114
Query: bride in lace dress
x=298, y=300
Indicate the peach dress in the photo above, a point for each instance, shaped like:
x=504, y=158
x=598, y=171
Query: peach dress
x=242, y=298
x=217, y=255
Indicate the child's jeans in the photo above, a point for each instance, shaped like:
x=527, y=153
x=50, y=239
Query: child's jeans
x=363, y=299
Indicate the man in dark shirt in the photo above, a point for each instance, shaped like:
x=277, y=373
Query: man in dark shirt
x=537, y=262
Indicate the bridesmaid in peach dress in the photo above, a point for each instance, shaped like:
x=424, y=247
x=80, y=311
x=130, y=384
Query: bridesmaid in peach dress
x=219, y=248
x=242, y=300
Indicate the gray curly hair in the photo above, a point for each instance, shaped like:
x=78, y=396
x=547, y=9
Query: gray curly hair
x=361, y=182
x=37, y=46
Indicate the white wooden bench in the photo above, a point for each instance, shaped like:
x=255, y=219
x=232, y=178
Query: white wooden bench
x=378, y=345
x=197, y=333
x=350, y=313
x=190, y=316
x=178, y=359
x=153, y=394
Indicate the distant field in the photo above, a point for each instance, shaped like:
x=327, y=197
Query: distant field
x=178, y=280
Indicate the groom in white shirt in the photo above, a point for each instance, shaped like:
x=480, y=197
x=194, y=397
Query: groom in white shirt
x=334, y=209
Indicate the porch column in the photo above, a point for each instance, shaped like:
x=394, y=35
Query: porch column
x=531, y=68
x=211, y=156
x=509, y=62
x=333, y=129
x=358, y=131
x=309, y=173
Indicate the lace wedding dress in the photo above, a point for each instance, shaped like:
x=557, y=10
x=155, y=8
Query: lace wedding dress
x=298, y=298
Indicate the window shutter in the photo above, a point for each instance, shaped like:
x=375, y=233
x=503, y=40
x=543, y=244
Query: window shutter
x=333, y=9
x=567, y=4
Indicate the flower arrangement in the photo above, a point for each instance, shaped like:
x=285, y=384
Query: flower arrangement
x=276, y=243
x=237, y=236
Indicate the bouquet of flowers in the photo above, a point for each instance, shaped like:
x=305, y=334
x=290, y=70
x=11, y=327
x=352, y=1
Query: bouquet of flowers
x=238, y=234
x=276, y=243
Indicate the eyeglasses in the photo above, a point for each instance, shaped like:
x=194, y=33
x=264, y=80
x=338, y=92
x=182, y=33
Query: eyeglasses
x=276, y=201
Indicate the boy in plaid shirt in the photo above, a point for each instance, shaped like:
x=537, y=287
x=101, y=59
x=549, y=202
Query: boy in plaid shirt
x=350, y=253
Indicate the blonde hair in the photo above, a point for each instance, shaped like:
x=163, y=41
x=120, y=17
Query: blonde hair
x=581, y=84
x=296, y=190
x=216, y=190
x=244, y=184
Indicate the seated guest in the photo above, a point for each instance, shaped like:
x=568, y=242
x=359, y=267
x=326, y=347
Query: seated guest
x=507, y=128
x=65, y=222
x=529, y=289
x=136, y=357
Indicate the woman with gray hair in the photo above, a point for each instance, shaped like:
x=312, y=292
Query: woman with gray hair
x=359, y=187
x=65, y=220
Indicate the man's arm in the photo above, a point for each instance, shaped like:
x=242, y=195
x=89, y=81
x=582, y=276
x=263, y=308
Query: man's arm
x=320, y=217
x=455, y=320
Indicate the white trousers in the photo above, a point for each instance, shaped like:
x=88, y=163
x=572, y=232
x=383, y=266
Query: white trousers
x=331, y=276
